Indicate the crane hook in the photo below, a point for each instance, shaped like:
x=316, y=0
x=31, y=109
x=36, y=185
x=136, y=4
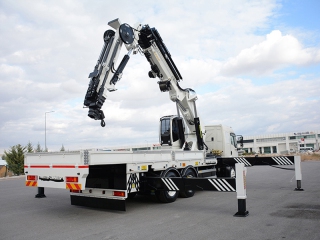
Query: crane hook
x=103, y=124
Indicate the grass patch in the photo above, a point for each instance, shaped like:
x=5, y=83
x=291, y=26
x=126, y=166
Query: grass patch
x=310, y=157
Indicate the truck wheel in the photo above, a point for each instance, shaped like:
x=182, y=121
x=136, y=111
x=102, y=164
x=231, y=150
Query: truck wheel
x=232, y=172
x=168, y=196
x=227, y=172
x=188, y=172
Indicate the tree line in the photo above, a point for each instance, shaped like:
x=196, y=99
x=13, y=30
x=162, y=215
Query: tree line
x=15, y=156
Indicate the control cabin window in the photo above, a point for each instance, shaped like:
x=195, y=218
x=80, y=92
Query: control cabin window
x=165, y=131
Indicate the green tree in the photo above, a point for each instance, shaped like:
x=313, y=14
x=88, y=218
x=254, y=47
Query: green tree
x=38, y=149
x=15, y=158
x=30, y=147
x=62, y=149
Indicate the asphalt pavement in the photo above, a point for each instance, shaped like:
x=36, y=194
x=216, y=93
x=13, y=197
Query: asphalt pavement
x=276, y=211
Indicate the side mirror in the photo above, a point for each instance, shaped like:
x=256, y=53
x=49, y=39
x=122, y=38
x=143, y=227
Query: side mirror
x=240, y=140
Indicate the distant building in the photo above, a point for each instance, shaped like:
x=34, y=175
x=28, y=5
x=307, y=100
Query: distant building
x=281, y=143
x=4, y=172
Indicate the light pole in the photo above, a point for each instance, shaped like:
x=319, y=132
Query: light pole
x=45, y=130
x=41, y=189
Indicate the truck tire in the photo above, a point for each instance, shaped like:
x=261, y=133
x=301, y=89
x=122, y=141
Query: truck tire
x=227, y=172
x=168, y=196
x=230, y=172
x=188, y=172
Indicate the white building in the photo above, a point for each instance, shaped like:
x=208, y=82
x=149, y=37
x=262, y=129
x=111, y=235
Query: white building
x=281, y=143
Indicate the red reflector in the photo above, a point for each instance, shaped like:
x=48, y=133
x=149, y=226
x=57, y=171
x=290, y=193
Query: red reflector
x=119, y=194
x=32, y=178
x=71, y=179
x=75, y=191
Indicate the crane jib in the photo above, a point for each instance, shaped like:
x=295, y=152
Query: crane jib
x=165, y=52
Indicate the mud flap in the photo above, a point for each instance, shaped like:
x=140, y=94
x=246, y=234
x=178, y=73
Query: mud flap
x=103, y=203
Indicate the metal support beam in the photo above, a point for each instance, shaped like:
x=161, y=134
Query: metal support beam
x=298, y=175
x=241, y=185
x=40, y=193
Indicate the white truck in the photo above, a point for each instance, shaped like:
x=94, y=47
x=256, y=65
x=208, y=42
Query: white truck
x=185, y=162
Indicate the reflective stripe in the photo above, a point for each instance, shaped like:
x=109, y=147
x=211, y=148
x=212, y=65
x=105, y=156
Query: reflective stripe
x=226, y=183
x=170, y=184
x=282, y=160
x=174, y=184
x=73, y=186
x=242, y=160
x=246, y=162
x=277, y=161
x=163, y=180
x=31, y=184
x=218, y=183
x=63, y=166
x=210, y=180
x=167, y=180
x=287, y=160
x=39, y=166
x=58, y=166
x=221, y=185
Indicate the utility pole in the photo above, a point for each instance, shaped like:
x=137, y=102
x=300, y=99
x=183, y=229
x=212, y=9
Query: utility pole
x=41, y=189
x=45, y=130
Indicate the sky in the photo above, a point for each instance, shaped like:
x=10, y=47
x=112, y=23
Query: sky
x=255, y=66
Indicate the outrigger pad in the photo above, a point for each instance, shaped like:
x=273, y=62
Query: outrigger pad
x=242, y=209
x=103, y=203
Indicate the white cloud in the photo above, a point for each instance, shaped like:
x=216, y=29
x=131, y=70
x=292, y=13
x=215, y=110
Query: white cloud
x=278, y=107
x=28, y=56
x=275, y=52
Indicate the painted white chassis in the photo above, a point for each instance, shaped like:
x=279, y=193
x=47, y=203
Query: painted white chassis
x=71, y=164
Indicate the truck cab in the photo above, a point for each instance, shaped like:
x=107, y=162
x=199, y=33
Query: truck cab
x=221, y=138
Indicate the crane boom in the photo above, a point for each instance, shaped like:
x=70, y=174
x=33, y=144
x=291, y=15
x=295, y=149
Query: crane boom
x=148, y=41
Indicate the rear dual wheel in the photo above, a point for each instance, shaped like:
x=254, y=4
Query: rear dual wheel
x=188, y=172
x=168, y=196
